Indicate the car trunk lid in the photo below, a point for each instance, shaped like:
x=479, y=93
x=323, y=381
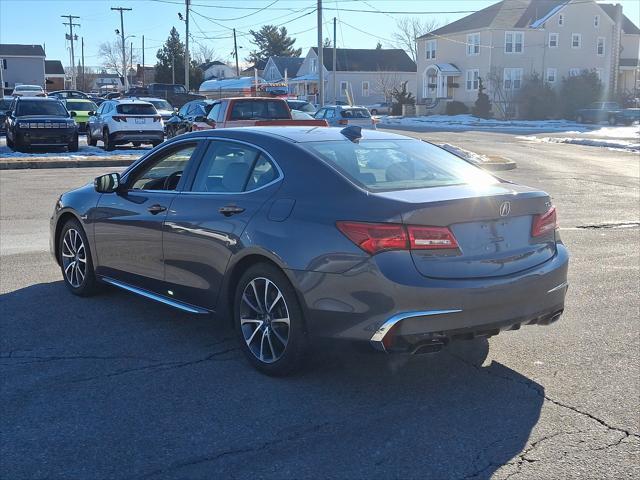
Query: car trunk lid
x=492, y=226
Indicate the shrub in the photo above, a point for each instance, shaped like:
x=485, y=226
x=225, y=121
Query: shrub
x=456, y=108
x=579, y=92
x=537, y=100
x=482, y=107
x=401, y=97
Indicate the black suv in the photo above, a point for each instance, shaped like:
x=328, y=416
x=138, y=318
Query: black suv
x=40, y=122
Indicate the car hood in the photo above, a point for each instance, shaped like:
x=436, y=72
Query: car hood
x=48, y=118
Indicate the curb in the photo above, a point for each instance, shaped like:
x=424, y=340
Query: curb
x=28, y=164
x=498, y=166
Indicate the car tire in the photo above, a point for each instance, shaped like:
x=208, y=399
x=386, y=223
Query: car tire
x=374, y=112
x=92, y=142
x=272, y=337
x=612, y=120
x=75, y=260
x=73, y=146
x=579, y=119
x=107, y=141
x=10, y=143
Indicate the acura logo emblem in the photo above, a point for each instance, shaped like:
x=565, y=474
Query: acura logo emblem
x=505, y=209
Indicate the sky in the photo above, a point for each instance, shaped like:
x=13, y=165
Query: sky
x=39, y=22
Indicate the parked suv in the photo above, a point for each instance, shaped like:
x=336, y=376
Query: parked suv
x=40, y=122
x=343, y=115
x=125, y=121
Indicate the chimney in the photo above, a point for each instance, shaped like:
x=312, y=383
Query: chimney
x=615, y=51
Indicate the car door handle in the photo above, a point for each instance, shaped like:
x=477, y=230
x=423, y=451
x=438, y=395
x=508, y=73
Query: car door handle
x=229, y=210
x=155, y=209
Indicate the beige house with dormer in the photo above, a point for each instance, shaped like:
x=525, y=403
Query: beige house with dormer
x=506, y=42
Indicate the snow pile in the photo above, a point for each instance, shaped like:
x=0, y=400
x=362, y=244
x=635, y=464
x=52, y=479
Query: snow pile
x=615, y=144
x=632, y=132
x=463, y=122
x=83, y=152
x=472, y=157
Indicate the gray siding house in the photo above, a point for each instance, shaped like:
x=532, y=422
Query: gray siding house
x=368, y=75
x=277, y=68
x=22, y=65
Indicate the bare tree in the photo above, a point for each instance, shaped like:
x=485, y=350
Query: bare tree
x=408, y=29
x=111, y=53
x=386, y=83
x=205, y=53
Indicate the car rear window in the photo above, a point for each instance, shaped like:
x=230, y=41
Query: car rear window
x=161, y=104
x=259, y=110
x=81, y=106
x=44, y=107
x=28, y=88
x=384, y=165
x=136, y=109
x=356, y=113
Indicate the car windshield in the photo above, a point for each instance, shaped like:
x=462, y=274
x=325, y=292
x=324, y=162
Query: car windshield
x=136, y=109
x=259, y=110
x=5, y=104
x=384, y=165
x=29, y=88
x=356, y=113
x=44, y=107
x=161, y=104
x=81, y=106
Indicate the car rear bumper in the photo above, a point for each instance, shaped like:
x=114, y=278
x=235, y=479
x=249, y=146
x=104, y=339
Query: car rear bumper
x=386, y=301
x=143, y=136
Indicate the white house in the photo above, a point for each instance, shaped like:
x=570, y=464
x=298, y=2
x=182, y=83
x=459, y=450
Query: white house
x=512, y=39
x=368, y=75
x=217, y=69
x=22, y=65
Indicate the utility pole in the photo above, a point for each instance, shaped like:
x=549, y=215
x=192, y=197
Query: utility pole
x=84, y=83
x=235, y=49
x=73, y=66
x=143, y=69
x=173, y=68
x=131, y=58
x=320, y=58
x=335, y=91
x=124, y=54
x=186, y=47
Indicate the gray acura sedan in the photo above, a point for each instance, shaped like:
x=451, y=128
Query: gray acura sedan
x=298, y=233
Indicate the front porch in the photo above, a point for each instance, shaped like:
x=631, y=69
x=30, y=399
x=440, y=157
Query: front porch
x=439, y=82
x=305, y=87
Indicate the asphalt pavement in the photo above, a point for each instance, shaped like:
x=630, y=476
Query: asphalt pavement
x=117, y=387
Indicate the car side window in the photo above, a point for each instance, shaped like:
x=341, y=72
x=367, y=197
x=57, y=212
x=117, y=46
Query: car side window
x=320, y=113
x=214, y=112
x=164, y=171
x=233, y=168
x=330, y=113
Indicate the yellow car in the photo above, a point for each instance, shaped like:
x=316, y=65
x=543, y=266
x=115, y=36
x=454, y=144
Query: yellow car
x=79, y=109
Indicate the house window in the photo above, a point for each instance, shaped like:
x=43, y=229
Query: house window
x=552, y=74
x=431, y=49
x=365, y=89
x=343, y=88
x=513, y=42
x=600, y=46
x=473, y=44
x=561, y=19
x=596, y=21
x=512, y=78
x=4, y=63
x=576, y=40
x=473, y=79
x=314, y=65
x=574, y=72
x=554, y=40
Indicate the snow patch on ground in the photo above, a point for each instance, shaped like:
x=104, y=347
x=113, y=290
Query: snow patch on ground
x=462, y=122
x=632, y=132
x=615, y=144
x=83, y=152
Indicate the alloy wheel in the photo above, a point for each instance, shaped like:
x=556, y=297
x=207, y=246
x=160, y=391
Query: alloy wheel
x=74, y=258
x=264, y=320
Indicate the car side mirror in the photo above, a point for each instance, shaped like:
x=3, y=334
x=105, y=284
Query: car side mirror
x=73, y=114
x=92, y=113
x=200, y=118
x=108, y=183
x=175, y=110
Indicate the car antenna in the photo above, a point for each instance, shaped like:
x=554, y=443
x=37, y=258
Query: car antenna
x=353, y=133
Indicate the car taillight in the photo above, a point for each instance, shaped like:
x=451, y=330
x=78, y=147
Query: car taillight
x=544, y=223
x=378, y=237
x=429, y=238
x=343, y=122
x=119, y=118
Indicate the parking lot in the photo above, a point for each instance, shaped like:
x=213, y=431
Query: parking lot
x=118, y=387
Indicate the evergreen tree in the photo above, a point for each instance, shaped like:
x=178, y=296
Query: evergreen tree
x=271, y=42
x=379, y=46
x=171, y=56
x=482, y=107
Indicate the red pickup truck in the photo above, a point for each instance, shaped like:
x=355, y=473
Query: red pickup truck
x=249, y=112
